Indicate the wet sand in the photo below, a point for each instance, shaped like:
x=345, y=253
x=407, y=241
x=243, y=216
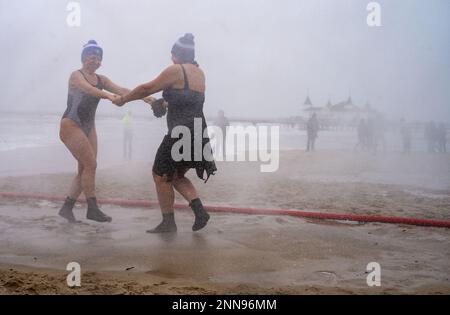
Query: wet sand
x=238, y=254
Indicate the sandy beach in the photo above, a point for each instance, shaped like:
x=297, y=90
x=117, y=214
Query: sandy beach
x=239, y=253
x=338, y=112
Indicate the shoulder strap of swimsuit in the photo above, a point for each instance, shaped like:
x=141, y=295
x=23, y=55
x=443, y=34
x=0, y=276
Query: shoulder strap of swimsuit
x=83, y=75
x=98, y=79
x=186, y=82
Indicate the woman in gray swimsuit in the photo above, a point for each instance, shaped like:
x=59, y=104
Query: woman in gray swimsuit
x=77, y=129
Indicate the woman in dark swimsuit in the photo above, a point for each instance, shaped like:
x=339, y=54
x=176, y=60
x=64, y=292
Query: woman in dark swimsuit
x=183, y=86
x=77, y=129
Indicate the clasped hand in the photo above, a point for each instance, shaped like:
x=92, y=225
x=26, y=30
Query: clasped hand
x=119, y=100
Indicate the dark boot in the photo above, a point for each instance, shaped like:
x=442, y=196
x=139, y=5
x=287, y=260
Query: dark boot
x=201, y=216
x=166, y=226
x=94, y=213
x=66, y=210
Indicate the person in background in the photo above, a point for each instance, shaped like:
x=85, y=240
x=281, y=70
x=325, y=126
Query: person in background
x=127, y=122
x=312, y=130
x=379, y=132
x=441, y=135
x=430, y=136
x=222, y=122
x=405, y=131
x=362, y=135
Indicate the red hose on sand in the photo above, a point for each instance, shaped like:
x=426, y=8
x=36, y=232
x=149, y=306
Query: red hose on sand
x=296, y=213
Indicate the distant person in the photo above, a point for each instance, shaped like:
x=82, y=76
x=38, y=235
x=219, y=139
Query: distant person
x=379, y=132
x=312, y=130
x=430, y=136
x=371, y=135
x=441, y=138
x=362, y=135
x=222, y=122
x=405, y=130
x=77, y=128
x=127, y=122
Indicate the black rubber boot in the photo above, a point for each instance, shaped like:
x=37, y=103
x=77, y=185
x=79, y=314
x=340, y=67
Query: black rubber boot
x=94, y=213
x=166, y=226
x=67, y=210
x=201, y=216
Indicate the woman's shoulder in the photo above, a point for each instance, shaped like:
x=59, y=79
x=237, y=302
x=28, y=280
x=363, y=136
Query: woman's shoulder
x=194, y=70
x=74, y=78
x=103, y=78
x=75, y=73
x=178, y=68
x=170, y=73
x=172, y=68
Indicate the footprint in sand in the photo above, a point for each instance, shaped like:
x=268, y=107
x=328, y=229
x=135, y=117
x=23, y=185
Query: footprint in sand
x=328, y=274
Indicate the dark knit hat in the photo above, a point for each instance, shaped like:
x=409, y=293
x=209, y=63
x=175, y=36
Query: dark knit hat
x=184, y=48
x=91, y=48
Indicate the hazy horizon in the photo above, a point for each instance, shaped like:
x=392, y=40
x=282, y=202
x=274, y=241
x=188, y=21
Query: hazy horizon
x=260, y=57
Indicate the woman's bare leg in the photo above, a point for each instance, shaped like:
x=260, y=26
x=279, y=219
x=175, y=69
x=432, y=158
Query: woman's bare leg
x=75, y=188
x=78, y=144
x=184, y=186
x=166, y=197
x=84, y=149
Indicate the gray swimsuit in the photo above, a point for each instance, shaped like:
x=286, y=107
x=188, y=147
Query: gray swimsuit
x=81, y=107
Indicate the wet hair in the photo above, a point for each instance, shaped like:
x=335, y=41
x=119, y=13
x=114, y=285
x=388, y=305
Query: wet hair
x=91, y=48
x=184, y=49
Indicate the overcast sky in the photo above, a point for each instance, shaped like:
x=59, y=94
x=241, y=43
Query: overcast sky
x=260, y=57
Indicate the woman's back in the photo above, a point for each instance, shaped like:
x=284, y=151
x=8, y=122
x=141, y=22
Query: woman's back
x=195, y=76
x=186, y=98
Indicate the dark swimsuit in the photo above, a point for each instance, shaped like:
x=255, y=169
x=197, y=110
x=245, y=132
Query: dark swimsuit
x=184, y=106
x=81, y=107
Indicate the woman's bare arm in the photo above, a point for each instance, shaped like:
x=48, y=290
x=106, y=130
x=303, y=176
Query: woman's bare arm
x=113, y=87
x=78, y=81
x=166, y=79
x=117, y=89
